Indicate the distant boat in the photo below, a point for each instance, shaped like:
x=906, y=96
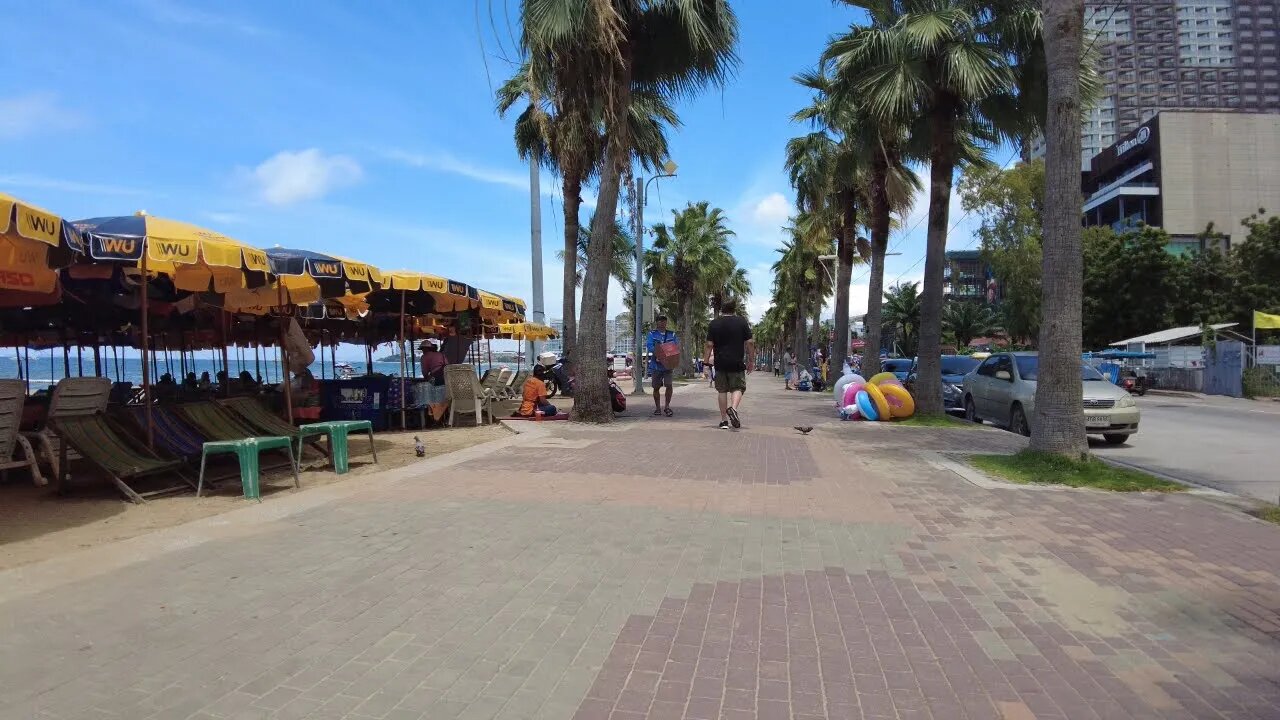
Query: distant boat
x=344, y=371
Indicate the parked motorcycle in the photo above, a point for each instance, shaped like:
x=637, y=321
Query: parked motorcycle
x=1135, y=383
x=559, y=381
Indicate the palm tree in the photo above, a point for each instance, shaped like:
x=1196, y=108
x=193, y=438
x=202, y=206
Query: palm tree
x=799, y=279
x=559, y=142
x=624, y=253
x=691, y=262
x=1058, y=426
x=904, y=311
x=947, y=68
x=969, y=320
x=827, y=167
x=596, y=54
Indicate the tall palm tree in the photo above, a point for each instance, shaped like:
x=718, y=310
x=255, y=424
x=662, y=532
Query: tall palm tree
x=624, y=254
x=597, y=53
x=799, y=281
x=1058, y=426
x=690, y=262
x=903, y=311
x=828, y=167
x=560, y=143
x=943, y=66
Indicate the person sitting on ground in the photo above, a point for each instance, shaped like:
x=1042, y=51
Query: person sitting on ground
x=205, y=382
x=246, y=381
x=190, y=382
x=534, y=395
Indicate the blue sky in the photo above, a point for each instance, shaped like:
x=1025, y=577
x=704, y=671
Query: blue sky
x=368, y=129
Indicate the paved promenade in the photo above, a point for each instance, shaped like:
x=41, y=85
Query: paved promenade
x=663, y=569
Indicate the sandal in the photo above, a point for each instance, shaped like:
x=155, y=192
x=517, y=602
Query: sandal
x=668, y=412
x=657, y=412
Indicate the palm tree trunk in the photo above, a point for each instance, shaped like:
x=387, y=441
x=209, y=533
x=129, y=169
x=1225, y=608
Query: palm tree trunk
x=572, y=189
x=844, y=275
x=685, y=306
x=875, y=286
x=591, y=401
x=929, y=350
x=802, y=339
x=1058, y=425
x=816, y=332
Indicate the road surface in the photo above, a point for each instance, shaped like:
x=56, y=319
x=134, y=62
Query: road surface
x=1232, y=445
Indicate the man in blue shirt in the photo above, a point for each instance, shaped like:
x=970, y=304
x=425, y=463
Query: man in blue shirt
x=660, y=374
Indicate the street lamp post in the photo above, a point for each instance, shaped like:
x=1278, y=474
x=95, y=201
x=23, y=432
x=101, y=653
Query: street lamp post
x=642, y=187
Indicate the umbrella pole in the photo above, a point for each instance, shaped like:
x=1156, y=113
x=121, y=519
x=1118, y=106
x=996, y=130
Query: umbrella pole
x=402, y=370
x=333, y=359
x=66, y=358
x=257, y=365
x=226, y=364
x=284, y=362
x=146, y=375
x=26, y=353
x=97, y=359
x=80, y=359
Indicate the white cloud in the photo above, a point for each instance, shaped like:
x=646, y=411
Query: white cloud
x=448, y=163
x=171, y=13
x=289, y=177
x=223, y=218
x=33, y=113
x=771, y=211
x=36, y=182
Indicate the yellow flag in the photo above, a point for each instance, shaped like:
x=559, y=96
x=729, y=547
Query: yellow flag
x=1263, y=321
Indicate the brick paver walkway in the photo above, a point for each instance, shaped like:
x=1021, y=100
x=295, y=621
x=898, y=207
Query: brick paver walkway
x=660, y=568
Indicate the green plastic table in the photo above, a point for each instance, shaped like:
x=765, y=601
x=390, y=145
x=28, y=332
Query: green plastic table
x=247, y=452
x=337, y=432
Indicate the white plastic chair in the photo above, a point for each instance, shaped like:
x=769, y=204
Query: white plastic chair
x=12, y=395
x=466, y=395
x=71, y=396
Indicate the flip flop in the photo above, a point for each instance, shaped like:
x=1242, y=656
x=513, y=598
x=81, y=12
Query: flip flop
x=668, y=412
x=657, y=412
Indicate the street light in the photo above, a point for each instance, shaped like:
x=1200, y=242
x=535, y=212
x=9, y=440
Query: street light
x=642, y=187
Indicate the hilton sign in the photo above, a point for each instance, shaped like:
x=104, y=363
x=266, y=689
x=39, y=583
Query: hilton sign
x=1144, y=134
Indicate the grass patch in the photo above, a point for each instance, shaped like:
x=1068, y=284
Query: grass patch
x=1270, y=513
x=944, y=421
x=1030, y=468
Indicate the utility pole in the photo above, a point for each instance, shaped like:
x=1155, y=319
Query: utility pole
x=535, y=239
x=638, y=366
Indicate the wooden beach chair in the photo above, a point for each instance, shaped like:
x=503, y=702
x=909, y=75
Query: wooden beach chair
x=215, y=422
x=257, y=416
x=170, y=433
x=99, y=441
x=71, y=396
x=12, y=395
x=466, y=396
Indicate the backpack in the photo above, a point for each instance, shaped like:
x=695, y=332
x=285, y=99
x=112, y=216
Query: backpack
x=616, y=398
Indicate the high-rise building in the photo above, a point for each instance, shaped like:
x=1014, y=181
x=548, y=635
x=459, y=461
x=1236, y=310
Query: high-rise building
x=1192, y=55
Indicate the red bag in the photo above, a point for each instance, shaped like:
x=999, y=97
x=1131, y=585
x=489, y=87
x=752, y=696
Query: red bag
x=668, y=354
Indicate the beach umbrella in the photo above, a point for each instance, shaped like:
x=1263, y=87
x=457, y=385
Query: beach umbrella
x=34, y=243
x=422, y=293
x=309, y=276
x=198, y=259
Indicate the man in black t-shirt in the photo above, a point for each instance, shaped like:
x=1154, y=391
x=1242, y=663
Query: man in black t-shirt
x=729, y=342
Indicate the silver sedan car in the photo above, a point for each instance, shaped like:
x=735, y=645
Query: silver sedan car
x=1003, y=390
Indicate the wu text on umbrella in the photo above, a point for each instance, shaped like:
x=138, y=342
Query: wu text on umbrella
x=34, y=243
x=198, y=260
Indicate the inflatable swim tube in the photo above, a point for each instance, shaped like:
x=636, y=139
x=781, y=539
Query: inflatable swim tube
x=845, y=381
x=877, y=398
x=881, y=377
x=851, y=412
x=866, y=406
x=851, y=392
x=901, y=404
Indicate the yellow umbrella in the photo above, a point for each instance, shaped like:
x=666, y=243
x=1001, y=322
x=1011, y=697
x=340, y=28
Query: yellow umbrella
x=33, y=244
x=447, y=295
x=198, y=259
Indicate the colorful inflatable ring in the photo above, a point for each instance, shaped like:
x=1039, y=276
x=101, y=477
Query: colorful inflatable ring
x=851, y=392
x=881, y=377
x=901, y=404
x=844, y=382
x=852, y=412
x=866, y=406
x=883, y=411
x=889, y=381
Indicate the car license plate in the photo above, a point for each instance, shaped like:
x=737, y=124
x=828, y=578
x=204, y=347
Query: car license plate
x=1097, y=421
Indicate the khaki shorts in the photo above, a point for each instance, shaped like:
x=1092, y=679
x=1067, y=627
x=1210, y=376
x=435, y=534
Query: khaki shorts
x=727, y=382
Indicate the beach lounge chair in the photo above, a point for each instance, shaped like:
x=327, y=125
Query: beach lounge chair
x=170, y=432
x=257, y=416
x=494, y=381
x=516, y=385
x=215, y=422
x=99, y=441
x=466, y=396
x=71, y=396
x=12, y=395
x=121, y=393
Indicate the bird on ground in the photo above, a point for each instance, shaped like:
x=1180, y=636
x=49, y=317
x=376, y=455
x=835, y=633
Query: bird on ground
x=804, y=430
x=418, y=448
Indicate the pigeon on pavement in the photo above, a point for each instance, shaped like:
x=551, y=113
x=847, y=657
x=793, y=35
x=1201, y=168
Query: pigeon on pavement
x=804, y=430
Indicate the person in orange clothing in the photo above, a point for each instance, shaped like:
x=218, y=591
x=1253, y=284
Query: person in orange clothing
x=534, y=395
